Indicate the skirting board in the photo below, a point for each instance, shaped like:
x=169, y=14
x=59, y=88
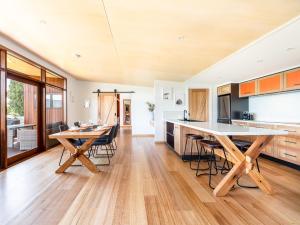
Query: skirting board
x=143, y=135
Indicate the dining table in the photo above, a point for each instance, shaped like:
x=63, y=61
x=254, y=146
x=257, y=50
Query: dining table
x=78, y=153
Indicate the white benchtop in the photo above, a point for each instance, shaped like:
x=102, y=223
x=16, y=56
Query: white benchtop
x=227, y=129
x=269, y=123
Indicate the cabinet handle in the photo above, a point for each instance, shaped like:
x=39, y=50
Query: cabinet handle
x=296, y=84
x=290, y=155
x=292, y=131
x=292, y=142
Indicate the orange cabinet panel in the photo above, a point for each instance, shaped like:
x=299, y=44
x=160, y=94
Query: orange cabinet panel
x=270, y=84
x=247, y=88
x=292, y=79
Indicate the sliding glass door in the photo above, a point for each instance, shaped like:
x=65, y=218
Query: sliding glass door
x=22, y=105
x=33, y=105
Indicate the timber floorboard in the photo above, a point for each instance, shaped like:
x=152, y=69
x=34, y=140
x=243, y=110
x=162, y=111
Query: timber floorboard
x=146, y=183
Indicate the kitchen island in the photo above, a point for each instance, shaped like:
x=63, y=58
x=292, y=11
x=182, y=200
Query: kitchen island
x=243, y=162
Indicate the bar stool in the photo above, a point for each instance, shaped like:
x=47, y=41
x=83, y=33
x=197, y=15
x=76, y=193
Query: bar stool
x=195, y=140
x=187, y=138
x=211, y=145
x=243, y=146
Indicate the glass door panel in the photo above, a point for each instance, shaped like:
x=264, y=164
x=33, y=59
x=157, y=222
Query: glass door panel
x=55, y=112
x=22, y=117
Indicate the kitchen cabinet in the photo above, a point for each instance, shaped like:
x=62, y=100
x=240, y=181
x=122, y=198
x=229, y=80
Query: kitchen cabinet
x=271, y=148
x=223, y=90
x=177, y=138
x=248, y=88
x=270, y=84
x=286, y=148
x=292, y=79
x=170, y=134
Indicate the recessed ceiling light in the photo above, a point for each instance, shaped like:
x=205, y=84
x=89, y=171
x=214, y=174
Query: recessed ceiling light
x=43, y=22
x=78, y=55
x=290, y=49
x=259, y=60
x=181, y=38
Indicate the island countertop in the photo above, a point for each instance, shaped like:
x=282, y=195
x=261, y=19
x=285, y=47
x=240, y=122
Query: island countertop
x=227, y=129
x=290, y=124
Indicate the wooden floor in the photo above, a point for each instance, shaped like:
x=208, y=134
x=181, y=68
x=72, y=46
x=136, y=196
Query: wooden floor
x=146, y=184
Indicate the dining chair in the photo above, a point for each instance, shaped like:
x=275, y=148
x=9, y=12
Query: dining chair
x=77, y=124
x=76, y=142
x=104, y=141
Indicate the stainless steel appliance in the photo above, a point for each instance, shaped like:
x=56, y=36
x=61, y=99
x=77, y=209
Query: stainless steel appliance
x=230, y=106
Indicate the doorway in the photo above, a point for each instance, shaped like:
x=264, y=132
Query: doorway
x=127, y=112
x=109, y=108
x=23, y=118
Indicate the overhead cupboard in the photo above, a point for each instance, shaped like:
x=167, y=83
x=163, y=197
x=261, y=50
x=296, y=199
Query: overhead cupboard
x=284, y=81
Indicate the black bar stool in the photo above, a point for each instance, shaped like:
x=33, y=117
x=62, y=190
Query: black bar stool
x=211, y=145
x=243, y=146
x=187, y=138
x=195, y=140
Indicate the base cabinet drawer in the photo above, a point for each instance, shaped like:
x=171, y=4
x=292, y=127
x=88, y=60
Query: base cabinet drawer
x=293, y=131
x=289, y=155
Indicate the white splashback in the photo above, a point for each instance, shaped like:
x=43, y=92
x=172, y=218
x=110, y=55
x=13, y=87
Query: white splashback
x=283, y=107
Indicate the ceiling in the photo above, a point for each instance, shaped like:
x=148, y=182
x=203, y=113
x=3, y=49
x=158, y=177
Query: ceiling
x=276, y=52
x=139, y=41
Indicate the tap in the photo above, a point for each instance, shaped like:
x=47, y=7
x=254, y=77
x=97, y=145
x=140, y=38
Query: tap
x=185, y=114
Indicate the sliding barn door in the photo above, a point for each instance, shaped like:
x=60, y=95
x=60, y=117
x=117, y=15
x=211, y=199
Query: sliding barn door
x=198, y=104
x=108, y=108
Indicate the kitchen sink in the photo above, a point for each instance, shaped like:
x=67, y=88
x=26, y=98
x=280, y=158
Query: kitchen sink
x=190, y=120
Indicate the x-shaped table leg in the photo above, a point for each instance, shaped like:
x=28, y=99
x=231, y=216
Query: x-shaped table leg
x=243, y=163
x=77, y=154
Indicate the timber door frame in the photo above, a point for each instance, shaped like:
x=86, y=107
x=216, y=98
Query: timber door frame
x=124, y=116
x=3, y=137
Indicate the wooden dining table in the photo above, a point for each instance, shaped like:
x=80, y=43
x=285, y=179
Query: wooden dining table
x=65, y=138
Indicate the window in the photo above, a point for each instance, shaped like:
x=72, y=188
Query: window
x=55, y=111
x=57, y=101
x=55, y=79
x=25, y=68
x=54, y=100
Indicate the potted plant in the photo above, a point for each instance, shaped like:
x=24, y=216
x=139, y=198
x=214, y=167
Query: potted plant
x=151, y=107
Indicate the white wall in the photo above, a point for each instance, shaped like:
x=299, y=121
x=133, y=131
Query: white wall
x=166, y=108
x=141, y=117
x=284, y=107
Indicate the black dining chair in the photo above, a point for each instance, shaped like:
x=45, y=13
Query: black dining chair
x=106, y=142
x=114, y=143
x=77, y=124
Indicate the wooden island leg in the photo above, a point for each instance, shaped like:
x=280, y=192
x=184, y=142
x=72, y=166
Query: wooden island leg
x=243, y=164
